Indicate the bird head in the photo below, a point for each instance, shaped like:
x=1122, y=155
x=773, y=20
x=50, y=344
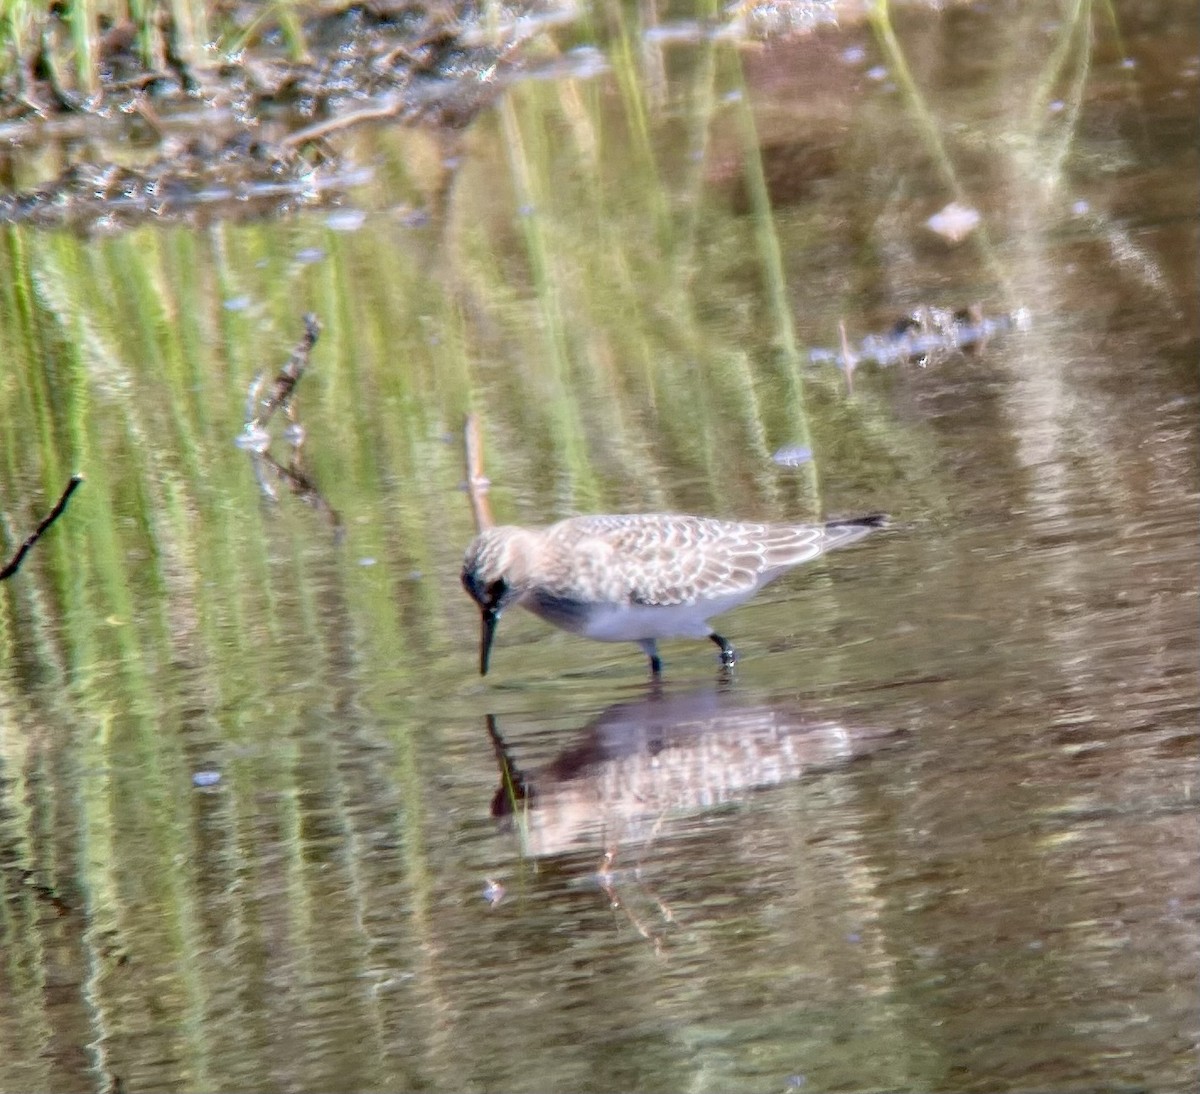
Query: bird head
x=492, y=574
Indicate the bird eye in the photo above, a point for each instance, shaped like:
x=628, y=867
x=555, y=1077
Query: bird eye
x=496, y=591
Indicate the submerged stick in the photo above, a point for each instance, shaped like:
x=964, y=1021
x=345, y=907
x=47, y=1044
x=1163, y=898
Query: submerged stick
x=302, y=486
x=477, y=481
x=15, y=563
x=849, y=360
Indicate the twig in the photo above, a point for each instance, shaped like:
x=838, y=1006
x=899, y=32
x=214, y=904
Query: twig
x=849, y=360
x=284, y=384
x=322, y=129
x=477, y=481
x=302, y=486
x=55, y=513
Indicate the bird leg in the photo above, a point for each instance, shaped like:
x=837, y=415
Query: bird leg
x=728, y=656
x=650, y=648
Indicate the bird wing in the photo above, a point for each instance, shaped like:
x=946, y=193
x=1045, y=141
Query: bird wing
x=663, y=560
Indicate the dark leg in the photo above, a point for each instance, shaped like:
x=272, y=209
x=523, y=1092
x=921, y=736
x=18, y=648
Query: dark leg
x=650, y=647
x=728, y=656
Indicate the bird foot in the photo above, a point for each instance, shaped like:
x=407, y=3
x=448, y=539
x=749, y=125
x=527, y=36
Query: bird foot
x=728, y=656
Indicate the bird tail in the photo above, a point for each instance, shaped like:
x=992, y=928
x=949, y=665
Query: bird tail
x=841, y=533
x=871, y=520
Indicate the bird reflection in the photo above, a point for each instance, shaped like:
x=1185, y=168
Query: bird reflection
x=639, y=764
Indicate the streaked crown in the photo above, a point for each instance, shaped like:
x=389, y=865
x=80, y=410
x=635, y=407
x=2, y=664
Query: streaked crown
x=495, y=567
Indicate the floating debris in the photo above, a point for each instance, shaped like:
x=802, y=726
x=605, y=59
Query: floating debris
x=493, y=892
x=767, y=20
x=581, y=63
x=205, y=779
x=687, y=31
x=954, y=222
x=346, y=220
x=748, y=21
x=180, y=186
x=792, y=455
x=927, y=336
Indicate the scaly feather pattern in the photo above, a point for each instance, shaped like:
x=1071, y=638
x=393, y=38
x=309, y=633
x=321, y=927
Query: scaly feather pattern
x=640, y=577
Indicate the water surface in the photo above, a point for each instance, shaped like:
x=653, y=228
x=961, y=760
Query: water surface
x=938, y=831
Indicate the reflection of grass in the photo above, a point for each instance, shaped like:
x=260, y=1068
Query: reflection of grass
x=645, y=358
x=1073, y=54
x=771, y=259
x=929, y=128
x=72, y=29
x=880, y=16
x=1044, y=147
x=630, y=343
x=276, y=13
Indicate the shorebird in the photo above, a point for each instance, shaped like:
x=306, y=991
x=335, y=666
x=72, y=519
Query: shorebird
x=639, y=578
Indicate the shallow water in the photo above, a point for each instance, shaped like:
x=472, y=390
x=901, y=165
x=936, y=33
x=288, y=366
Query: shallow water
x=937, y=831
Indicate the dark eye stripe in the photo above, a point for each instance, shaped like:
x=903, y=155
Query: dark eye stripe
x=471, y=584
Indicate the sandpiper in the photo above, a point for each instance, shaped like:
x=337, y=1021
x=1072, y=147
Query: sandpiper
x=639, y=578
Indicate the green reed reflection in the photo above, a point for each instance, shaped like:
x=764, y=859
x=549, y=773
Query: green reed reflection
x=630, y=342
